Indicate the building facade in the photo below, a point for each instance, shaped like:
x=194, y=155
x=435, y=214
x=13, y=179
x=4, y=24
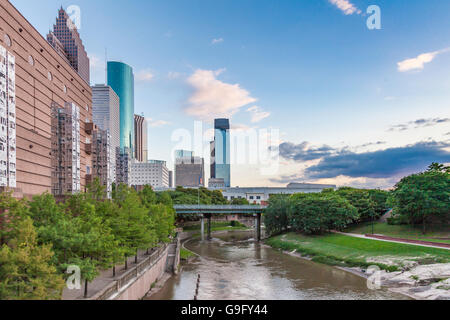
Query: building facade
x=42, y=79
x=123, y=166
x=121, y=80
x=103, y=164
x=189, y=172
x=140, y=138
x=67, y=42
x=106, y=116
x=220, y=152
x=153, y=173
x=66, y=150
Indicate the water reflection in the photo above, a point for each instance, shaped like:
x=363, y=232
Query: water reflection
x=232, y=266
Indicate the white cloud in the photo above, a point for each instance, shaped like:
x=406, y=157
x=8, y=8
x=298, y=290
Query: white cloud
x=346, y=6
x=217, y=41
x=156, y=123
x=172, y=75
x=212, y=98
x=144, y=75
x=257, y=114
x=418, y=63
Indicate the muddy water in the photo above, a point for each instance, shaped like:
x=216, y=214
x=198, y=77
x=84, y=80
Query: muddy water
x=232, y=266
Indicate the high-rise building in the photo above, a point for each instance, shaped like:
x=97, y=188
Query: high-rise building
x=153, y=173
x=183, y=154
x=67, y=42
x=42, y=79
x=140, y=138
x=170, y=179
x=105, y=114
x=220, y=152
x=123, y=166
x=66, y=150
x=103, y=165
x=121, y=80
x=189, y=172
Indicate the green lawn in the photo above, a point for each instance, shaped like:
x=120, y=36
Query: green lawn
x=186, y=254
x=336, y=249
x=404, y=231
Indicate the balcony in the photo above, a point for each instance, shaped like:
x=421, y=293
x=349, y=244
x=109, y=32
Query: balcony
x=88, y=148
x=89, y=127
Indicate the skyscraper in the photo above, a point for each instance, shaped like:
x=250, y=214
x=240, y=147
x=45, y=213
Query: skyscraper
x=121, y=80
x=140, y=138
x=67, y=42
x=220, y=152
x=105, y=114
x=189, y=172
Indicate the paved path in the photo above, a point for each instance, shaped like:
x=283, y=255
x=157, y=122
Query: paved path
x=393, y=241
x=104, y=279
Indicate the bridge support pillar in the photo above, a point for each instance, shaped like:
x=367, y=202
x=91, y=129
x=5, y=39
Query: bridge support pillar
x=202, y=217
x=258, y=226
x=208, y=217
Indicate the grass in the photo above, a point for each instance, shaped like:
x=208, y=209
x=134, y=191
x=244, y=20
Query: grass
x=341, y=250
x=404, y=231
x=186, y=254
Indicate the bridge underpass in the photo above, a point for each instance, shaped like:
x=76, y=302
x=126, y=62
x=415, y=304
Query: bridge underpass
x=206, y=212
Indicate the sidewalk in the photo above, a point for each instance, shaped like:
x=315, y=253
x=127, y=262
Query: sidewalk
x=398, y=240
x=103, y=280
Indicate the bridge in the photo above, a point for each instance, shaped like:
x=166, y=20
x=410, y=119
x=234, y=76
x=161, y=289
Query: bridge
x=207, y=211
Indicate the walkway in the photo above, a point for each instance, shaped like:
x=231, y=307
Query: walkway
x=103, y=280
x=419, y=243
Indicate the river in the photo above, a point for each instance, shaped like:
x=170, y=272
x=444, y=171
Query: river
x=232, y=267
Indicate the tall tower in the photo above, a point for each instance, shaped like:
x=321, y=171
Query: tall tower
x=67, y=42
x=220, y=152
x=139, y=138
x=121, y=80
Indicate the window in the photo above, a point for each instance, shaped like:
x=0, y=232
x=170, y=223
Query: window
x=31, y=60
x=49, y=76
x=7, y=40
x=252, y=197
x=258, y=198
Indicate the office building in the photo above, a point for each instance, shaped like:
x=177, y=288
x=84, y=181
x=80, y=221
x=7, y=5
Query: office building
x=220, y=152
x=123, y=166
x=103, y=164
x=214, y=183
x=66, y=40
x=170, y=179
x=153, y=173
x=189, y=172
x=140, y=138
x=66, y=150
x=39, y=79
x=121, y=80
x=105, y=114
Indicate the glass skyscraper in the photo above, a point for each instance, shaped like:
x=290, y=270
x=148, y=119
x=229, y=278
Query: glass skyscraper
x=220, y=155
x=121, y=80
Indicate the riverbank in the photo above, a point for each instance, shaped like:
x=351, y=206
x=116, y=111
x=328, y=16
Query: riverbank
x=418, y=272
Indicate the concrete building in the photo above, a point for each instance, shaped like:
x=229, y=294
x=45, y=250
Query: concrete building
x=214, y=183
x=262, y=195
x=66, y=152
x=121, y=80
x=170, y=179
x=189, y=172
x=123, y=166
x=105, y=114
x=220, y=152
x=67, y=42
x=140, y=138
x=38, y=78
x=153, y=173
x=103, y=164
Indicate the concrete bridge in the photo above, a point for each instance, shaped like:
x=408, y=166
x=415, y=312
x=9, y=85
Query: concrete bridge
x=207, y=211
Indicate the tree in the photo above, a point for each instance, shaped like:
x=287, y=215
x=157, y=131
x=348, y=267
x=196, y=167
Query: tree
x=276, y=216
x=26, y=270
x=422, y=197
x=240, y=202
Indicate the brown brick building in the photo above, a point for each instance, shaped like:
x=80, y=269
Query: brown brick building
x=42, y=78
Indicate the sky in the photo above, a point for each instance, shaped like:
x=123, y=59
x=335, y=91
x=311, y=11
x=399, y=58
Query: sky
x=342, y=103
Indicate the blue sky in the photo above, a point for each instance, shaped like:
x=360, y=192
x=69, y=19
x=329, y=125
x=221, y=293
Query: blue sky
x=348, y=101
